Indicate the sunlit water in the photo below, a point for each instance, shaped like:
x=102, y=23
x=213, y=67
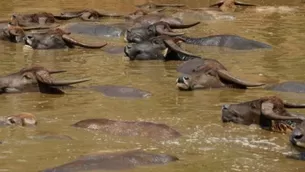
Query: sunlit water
x=206, y=145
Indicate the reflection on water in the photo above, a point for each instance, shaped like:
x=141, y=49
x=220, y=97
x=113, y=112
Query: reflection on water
x=207, y=144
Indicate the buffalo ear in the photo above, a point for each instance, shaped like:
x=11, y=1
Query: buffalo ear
x=224, y=74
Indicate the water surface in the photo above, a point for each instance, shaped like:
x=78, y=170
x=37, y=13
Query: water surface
x=207, y=144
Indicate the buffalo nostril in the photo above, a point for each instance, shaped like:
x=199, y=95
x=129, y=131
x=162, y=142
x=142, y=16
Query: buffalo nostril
x=180, y=80
x=186, y=78
x=29, y=37
x=298, y=136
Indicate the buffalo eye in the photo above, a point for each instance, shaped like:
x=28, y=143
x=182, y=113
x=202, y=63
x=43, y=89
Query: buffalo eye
x=186, y=78
x=27, y=76
x=11, y=120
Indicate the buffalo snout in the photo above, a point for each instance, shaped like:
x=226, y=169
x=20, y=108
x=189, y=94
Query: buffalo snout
x=297, y=137
x=183, y=83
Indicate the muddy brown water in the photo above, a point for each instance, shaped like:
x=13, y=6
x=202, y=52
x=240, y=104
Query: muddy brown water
x=206, y=145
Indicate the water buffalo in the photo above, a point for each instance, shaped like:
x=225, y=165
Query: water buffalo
x=130, y=128
x=56, y=39
x=139, y=34
x=230, y=5
x=22, y=119
x=297, y=137
x=289, y=86
x=158, y=48
x=114, y=161
x=34, y=79
x=86, y=15
x=230, y=41
x=206, y=74
x=268, y=112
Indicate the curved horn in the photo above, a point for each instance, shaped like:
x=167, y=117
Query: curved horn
x=57, y=71
x=218, y=4
x=170, y=43
x=267, y=111
x=183, y=26
x=293, y=105
x=75, y=42
x=44, y=77
x=161, y=31
x=65, y=83
x=243, y=4
x=227, y=76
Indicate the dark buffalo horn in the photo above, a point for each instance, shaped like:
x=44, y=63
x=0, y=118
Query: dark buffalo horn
x=183, y=26
x=161, y=31
x=293, y=105
x=65, y=83
x=227, y=76
x=75, y=42
x=243, y=3
x=173, y=46
x=267, y=111
x=57, y=71
x=218, y=4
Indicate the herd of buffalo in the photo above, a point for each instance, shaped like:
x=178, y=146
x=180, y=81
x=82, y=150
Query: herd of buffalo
x=149, y=35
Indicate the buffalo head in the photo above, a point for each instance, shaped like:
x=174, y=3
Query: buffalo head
x=25, y=20
x=22, y=119
x=230, y=5
x=34, y=79
x=210, y=74
x=55, y=39
x=140, y=34
x=297, y=137
x=12, y=33
x=268, y=112
x=157, y=48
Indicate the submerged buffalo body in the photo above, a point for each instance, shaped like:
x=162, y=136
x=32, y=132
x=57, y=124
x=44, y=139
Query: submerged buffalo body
x=130, y=128
x=34, y=79
x=96, y=29
x=268, y=112
x=114, y=161
x=289, y=86
x=230, y=41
